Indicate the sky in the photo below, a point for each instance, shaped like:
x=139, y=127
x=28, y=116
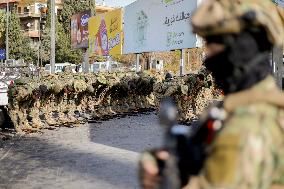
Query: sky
x=115, y=3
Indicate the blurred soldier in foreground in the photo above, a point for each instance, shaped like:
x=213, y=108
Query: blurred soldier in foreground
x=240, y=142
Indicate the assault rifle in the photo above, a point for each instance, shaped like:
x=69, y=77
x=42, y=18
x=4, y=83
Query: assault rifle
x=186, y=145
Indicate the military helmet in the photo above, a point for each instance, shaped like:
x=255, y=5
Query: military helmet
x=218, y=17
x=168, y=76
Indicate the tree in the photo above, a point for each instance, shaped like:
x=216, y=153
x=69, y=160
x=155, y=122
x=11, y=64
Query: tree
x=64, y=53
x=70, y=8
x=45, y=38
x=2, y=28
x=19, y=45
x=92, y=5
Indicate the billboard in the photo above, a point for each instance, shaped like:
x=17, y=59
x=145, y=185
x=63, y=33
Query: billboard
x=79, y=30
x=105, y=34
x=158, y=25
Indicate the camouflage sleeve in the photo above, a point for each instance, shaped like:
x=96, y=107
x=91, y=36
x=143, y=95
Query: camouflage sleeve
x=240, y=157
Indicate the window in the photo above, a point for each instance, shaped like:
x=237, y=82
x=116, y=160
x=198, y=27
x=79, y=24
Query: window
x=35, y=40
x=59, y=12
x=96, y=66
x=114, y=66
x=47, y=67
x=59, y=68
x=26, y=25
x=14, y=7
x=20, y=10
x=26, y=10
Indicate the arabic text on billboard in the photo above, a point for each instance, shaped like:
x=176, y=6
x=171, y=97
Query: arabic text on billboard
x=158, y=25
x=79, y=30
x=105, y=37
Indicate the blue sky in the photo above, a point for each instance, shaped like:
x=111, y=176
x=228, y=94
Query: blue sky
x=116, y=3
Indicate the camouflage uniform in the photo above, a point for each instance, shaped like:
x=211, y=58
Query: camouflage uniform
x=248, y=152
x=34, y=113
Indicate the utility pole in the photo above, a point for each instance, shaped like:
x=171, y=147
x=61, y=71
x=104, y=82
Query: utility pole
x=182, y=59
x=86, y=64
x=137, y=63
x=52, y=36
x=7, y=31
x=39, y=42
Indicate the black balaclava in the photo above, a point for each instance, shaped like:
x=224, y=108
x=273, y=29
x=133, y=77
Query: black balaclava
x=244, y=62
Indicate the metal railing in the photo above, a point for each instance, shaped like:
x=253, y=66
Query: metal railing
x=29, y=14
x=31, y=32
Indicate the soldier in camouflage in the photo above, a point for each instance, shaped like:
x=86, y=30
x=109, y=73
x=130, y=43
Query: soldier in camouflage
x=247, y=150
x=67, y=99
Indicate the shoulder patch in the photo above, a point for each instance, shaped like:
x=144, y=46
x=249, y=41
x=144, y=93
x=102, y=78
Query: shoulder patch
x=221, y=166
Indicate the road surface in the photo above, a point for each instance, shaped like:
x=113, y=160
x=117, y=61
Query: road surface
x=101, y=155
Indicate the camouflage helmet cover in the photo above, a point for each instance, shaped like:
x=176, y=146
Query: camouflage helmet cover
x=216, y=17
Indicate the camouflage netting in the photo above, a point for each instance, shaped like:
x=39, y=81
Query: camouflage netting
x=72, y=99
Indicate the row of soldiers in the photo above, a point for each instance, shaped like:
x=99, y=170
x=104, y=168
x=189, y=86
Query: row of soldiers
x=192, y=93
x=71, y=99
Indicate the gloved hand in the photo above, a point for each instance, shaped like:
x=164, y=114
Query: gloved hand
x=150, y=165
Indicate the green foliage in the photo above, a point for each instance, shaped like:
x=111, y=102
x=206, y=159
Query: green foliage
x=29, y=54
x=274, y=1
x=64, y=53
x=45, y=45
x=16, y=37
x=71, y=7
x=19, y=45
x=2, y=27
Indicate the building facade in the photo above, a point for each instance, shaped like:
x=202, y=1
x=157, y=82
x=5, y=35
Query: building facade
x=30, y=12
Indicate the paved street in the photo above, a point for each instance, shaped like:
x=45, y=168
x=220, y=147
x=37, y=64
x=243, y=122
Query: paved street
x=98, y=155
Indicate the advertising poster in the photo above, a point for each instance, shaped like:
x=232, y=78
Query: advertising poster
x=158, y=25
x=79, y=30
x=105, y=34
